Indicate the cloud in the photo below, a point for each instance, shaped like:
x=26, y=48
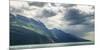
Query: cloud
x=68, y=5
x=24, y=8
x=80, y=18
x=74, y=16
x=77, y=15
x=48, y=13
x=71, y=18
x=30, y=9
x=39, y=4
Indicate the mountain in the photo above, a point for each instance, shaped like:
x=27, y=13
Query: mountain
x=29, y=23
x=25, y=30
x=61, y=36
x=21, y=29
x=22, y=36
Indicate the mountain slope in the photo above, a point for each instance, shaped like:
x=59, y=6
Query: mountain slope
x=25, y=30
x=61, y=36
x=22, y=36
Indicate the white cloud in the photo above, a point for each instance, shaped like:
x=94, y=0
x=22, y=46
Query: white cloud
x=18, y=4
x=85, y=8
x=23, y=8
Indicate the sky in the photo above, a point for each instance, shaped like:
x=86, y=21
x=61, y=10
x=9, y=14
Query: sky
x=77, y=19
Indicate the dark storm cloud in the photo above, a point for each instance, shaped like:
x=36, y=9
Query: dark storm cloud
x=48, y=13
x=80, y=22
x=76, y=17
x=39, y=4
x=68, y=5
x=53, y=4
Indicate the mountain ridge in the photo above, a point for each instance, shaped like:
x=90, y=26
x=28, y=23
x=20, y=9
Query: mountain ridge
x=43, y=35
